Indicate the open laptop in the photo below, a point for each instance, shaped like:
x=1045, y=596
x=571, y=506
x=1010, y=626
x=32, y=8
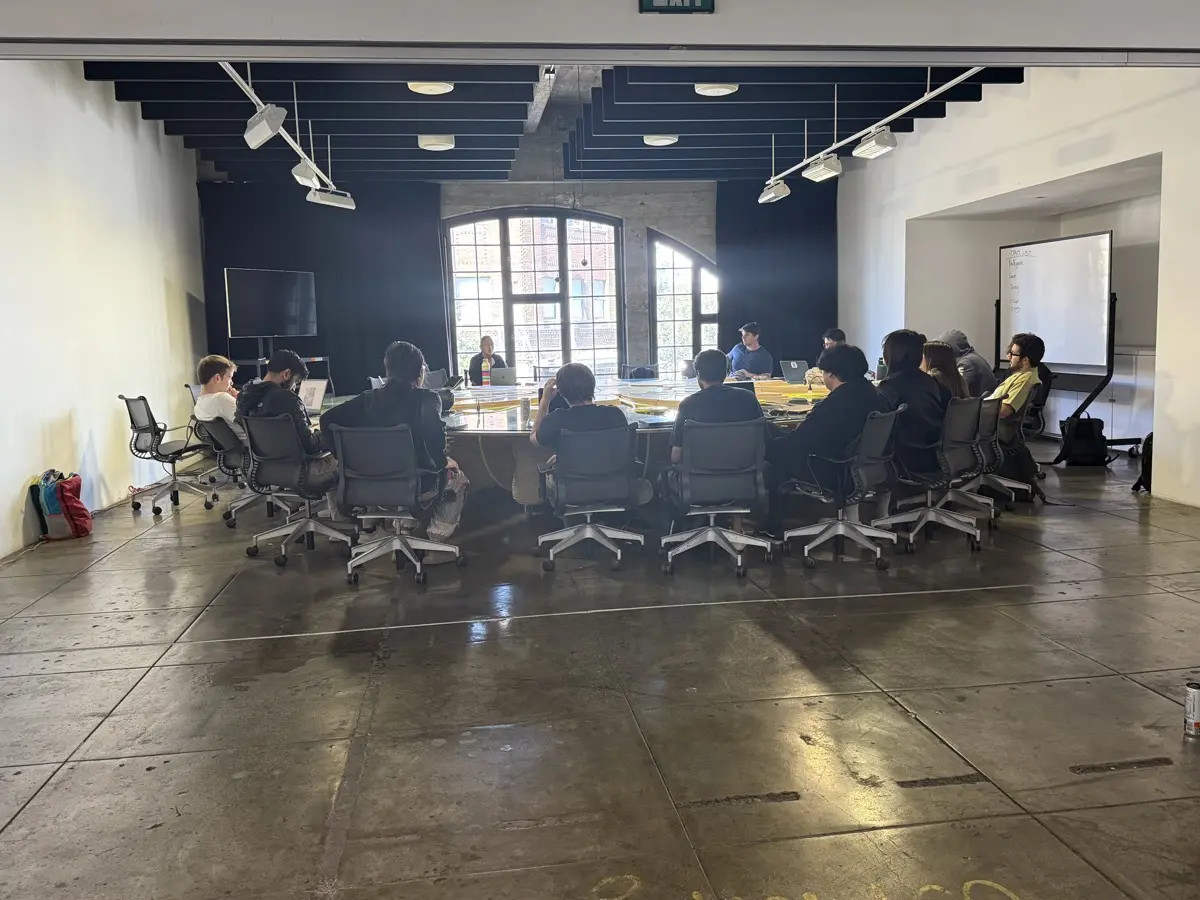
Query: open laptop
x=506, y=377
x=793, y=370
x=312, y=394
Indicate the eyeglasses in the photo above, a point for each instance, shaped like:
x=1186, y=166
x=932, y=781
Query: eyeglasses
x=1016, y=354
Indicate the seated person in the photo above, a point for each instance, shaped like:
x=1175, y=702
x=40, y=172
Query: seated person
x=276, y=395
x=941, y=364
x=920, y=425
x=487, y=349
x=974, y=368
x=1025, y=352
x=834, y=424
x=576, y=384
x=402, y=401
x=716, y=401
x=833, y=337
x=218, y=399
x=750, y=359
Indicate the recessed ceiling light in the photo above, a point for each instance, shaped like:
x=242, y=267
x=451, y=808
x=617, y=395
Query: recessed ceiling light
x=430, y=88
x=435, y=142
x=716, y=90
x=660, y=140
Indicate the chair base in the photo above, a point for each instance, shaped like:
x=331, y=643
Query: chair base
x=603, y=535
x=307, y=527
x=170, y=489
x=863, y=535
x=732, y=542
x=964, y=497
x=1007, y=487
x=397, y=546
x=933, y=513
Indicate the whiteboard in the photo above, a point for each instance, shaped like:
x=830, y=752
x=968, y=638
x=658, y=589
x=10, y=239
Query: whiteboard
x=1059, y=291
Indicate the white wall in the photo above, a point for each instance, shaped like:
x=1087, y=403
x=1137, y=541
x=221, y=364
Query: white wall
x=1061, y=122
x=100, y=281
x=1100, y=24
x=952, y=273
x=1134, y=224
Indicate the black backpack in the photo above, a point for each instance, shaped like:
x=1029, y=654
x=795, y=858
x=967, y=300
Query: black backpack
x=1143, y=482
x=1083, y=442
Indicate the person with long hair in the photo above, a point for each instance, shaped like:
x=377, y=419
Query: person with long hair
x=920, y=425
x=940, y=361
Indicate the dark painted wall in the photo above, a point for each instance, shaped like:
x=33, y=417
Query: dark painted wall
x=778, y=264
x=378, y=269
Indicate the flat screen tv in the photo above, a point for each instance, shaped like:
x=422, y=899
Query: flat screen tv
x=270, y=303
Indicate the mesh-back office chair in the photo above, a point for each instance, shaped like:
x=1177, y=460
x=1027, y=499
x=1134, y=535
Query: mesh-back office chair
x=1034, y=424
x=846, y=482
x=278, y=461
x=638, y=372
x=722, y=472
x=233, y=459
x=194, y=391
x=989, y=455
x=594, y=472
x=957, y=463
x=380, y=477
x=147, y=442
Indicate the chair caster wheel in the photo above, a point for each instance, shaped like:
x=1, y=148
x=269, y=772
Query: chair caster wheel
x=252, y=551
x=419, y=578
x=231, y=523
x=227, y=515
x=909, y=548
x=1134, y=453
x=352, y=578
x=1041, y=476
x=975, y=544
x=281, y=560
x=460, y=561
x=882, y=563
x=208, y=504
x=809, y=562
x=547, y=565
x=215, y=496
x=157, y=510
x=740, y=572
x=770, y=557
x=614, y=566
x=668, y=568
x=135, y=506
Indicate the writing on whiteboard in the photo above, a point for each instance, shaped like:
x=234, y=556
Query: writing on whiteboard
x=1016, y=259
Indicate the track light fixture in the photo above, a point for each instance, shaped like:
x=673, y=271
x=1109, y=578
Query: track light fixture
x=774, y=191
x=660, y=140
x=876, y=144
x=823, y=168
x=340, y=199
x=435, y=142
x=430, y=88
x=264, y=125
x=306, y=175
x=716, y=90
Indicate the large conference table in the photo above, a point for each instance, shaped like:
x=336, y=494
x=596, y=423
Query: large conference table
x=487, y=429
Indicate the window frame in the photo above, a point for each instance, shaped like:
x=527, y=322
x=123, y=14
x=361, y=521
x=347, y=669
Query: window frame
x=699, y=262
x=562, y=297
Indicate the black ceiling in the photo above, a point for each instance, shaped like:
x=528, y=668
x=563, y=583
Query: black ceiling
x=372, y=118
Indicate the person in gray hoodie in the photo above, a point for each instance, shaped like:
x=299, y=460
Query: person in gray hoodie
x=975, y=369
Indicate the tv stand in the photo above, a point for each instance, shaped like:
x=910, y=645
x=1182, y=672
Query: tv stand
x=266, y=347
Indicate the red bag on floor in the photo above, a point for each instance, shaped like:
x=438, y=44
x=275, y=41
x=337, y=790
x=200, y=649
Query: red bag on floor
x=61, y=513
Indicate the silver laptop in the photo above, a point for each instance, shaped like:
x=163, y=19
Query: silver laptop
x=312, y=394
x=793, y=370
x=506, y=377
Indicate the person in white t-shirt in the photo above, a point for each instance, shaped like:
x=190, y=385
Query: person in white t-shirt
x=218, y=399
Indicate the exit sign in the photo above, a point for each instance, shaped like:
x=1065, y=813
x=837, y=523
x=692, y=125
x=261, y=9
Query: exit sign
x=677, y=6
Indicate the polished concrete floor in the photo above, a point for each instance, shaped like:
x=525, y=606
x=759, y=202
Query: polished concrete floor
x=178, y=721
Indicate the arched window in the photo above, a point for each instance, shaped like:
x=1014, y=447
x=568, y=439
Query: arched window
x=545, y=284
x=684, y=300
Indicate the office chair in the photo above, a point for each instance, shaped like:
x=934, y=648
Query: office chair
x=147, y=443
x=639, y=372
x=595, y=472
x=987, y=449
x=278, y=463
x=380, y=477
x=233, y=459
x=1034, y=424
x=722, y=473
x=957, y=464
x=846, y=483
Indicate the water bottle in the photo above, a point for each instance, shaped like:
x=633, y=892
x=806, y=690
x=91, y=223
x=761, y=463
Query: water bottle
x=485, y=372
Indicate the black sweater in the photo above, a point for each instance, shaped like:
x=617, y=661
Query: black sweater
x=475, y=367
x=267, y=399
x=921, y=424
x=830, y=429
x=391, y=405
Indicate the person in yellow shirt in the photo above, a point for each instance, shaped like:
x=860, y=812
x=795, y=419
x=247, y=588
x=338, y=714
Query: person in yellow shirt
x=1025, y=351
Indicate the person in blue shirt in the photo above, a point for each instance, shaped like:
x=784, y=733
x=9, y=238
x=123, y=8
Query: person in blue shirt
x=750, y=359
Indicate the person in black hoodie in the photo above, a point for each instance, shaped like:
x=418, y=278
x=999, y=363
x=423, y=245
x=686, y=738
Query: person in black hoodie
x=401, y=401
x=276, y=395
x=921, y=424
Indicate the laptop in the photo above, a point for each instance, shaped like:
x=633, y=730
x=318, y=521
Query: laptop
x=312, y=394
x=506, y=377
x=793, y=370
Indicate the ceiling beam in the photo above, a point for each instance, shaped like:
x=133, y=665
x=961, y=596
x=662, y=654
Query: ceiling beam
x=280, y=92
x=346, y=127
x=343, y=167
x=846, y=126
x=344, y=142
x=815, y=74
x=246, y=155
x=760, y=112
x=634, y=141
x=383, y=112
x=295, y=71
x=356, y=178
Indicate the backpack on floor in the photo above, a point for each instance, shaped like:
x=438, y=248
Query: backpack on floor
x=1143, y=481
x=1083, y=442
x=61, y=514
